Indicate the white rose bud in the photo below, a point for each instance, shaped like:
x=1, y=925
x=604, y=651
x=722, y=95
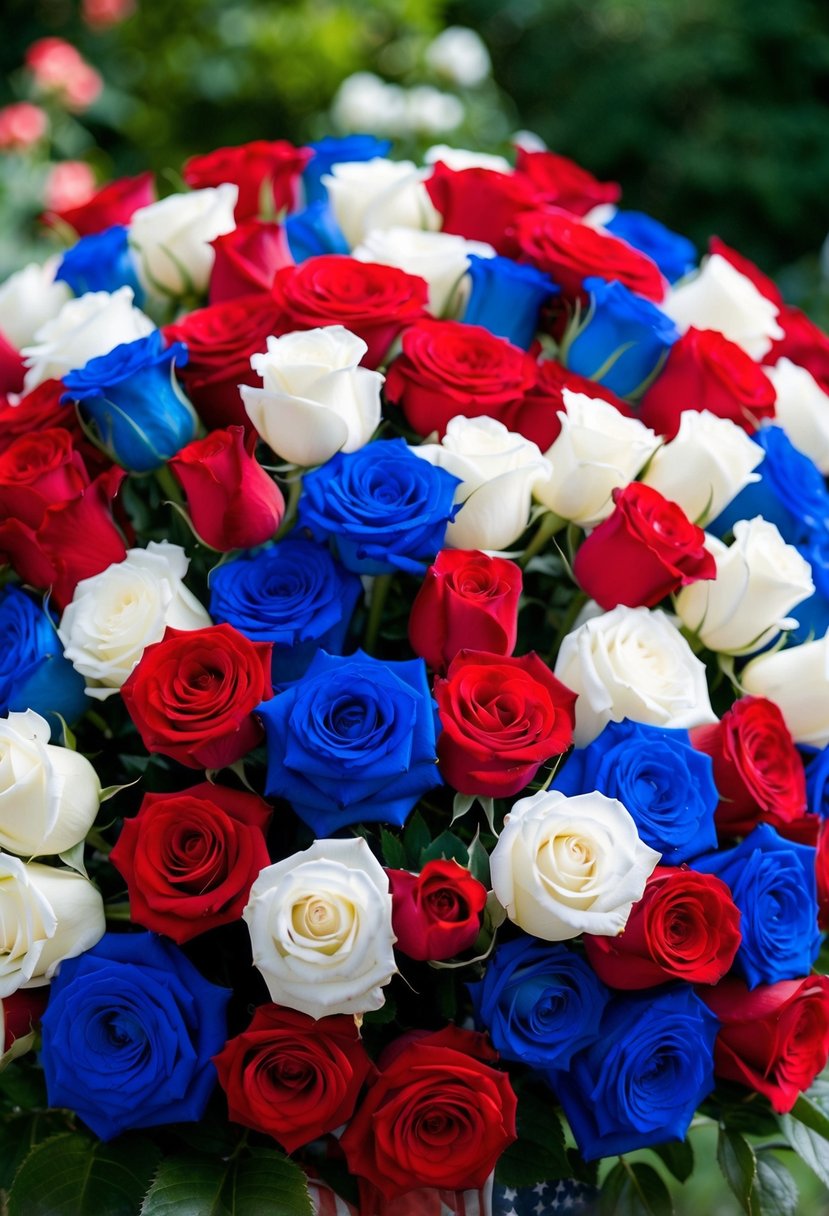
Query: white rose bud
x=802, y=409
x=459, y=54
x=315, y=399
x=379, y=193
x=113, y=616
x=30, y=298
x=759, y=580
x=49, y=795
x=320, y=925
x=172, y=238
x=797, y=680
x=46, y=915
x=440, y=258
x=720, y=297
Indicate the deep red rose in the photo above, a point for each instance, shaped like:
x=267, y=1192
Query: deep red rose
x=466, y=601
x=685, y=927
x=766, y=286
x=189, y=859
x=557, y=242
x=480, y=204
x=647, y=549
x=448, y=368
x=803, y=343
x=502, y=718
x=193, y=695
x=822, y=872
x=373, y=301
x=12, y=367
x=20, y=1013
x=247, y=260
x=233, y=502
x=434, y=1117
x=37, y=470
x=563, y=183
x=704, y=371
x=293, y=1077
x=253, y=167
x=773, y=1039
x=437, y=913
x=535, y=416
x=113, y=204
x=758, y=771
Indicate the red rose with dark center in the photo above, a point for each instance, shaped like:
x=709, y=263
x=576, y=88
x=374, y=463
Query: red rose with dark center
x=247, y=260
x=563, y=183
x=113, y=204
x=535, y=416
x=437, y=913
x=480, y=204
x=261, y=165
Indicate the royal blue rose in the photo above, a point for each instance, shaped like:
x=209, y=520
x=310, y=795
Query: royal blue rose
x=540, y=1001
x=816, y=764
x=506, y=297
x=640, y=1081
x=101, y=262
x=313, y=232
x=382, y=508
x=129, y=1033
x=33, y=672
x=664, y=782
x=675, y=255
x=353, y=741
x=333, y=150
x=295, y=595
x=812, y=615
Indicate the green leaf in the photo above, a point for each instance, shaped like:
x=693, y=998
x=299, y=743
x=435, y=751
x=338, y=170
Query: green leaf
x=18, y=1136
x=73, y=858
x=262, y=1181
x=808, y=1112
x=678, y=1156
x=416, y=838
x=109, y=791
x=71, y=1175
x=394, y=854
x=268, y=1182
x=809, y=1145
x=634, y=1190
x=461, y=804
x=539, y=1152
x=775, y=1188
x=187, y=1186
x=479, y=861
x=447, y=846
x=736, y=1159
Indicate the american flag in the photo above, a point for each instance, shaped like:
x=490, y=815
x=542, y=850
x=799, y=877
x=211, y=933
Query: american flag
x=564, y=1196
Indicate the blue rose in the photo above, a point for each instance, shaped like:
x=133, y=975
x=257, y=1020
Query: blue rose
x=101, y=262
x=382, y=508
x=129, y=1033
x=641, y=1080
x=773, y=883
x=816, y=764
x=506, y=298
x=622, y=341
x=664, y=782
x=812, y=614
x=33, y=672
x=314, y=231
x=675, y=255
x=353, y=741
x=294, y=595
x=540, y=1002
x=335, y=150
x=131, y=396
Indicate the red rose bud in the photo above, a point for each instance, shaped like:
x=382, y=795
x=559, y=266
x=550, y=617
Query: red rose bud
x=20, y=1013
x=562, y=183
x=773, y=1039
x=704, y=371
x=113, y=204
x=535, y=416
x=645, y=550
x=193, y=695
x=822, y=872
x=233, y=502
x=12, y=367
x=466, y=601
x=37, y=470
x=803, y=343
x=189, y=859
x=247, y=260
x=502, y=718
x=480, y=204
x=685, y=927
x=275, y=166
x=436, y=914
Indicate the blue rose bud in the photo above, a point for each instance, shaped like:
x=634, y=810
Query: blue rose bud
x=506, y=298
x=675, y=255
x=101, y=262
x=314, y=231
x=335, y=151
x=33, y=672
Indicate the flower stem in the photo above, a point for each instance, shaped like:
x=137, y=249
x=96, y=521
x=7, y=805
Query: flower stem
x=291, y=504
x=379, y=592
x=549, y=525
x=168, y=485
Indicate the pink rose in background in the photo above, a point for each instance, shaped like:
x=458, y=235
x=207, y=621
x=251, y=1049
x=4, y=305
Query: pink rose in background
x=21, y=125
x=100, y=14
x=69, y=184
x=57, y=67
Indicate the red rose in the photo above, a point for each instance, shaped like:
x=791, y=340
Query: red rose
x=570, y=251
x=502, y=719
x=37, y=470
x=758, y=771
x=704, y=371
x=190, y=858
x=766, y=286
x=685, y=927
x=773, y=1039
x=233, y=502
x=437, y=913
x=292, y=1077
x=563, y=183
x=480, y=204
x=822, y=872
x=113, y=204
x=274, y=165
x=192, y=696
x=247, y=260
x=448, y=368
x=535, y=416
x=647, y=549
x=12, y=367
x=434, y=1117
x=373, y=301
x=466, y=601
x=803, y=343
x=20, y=1013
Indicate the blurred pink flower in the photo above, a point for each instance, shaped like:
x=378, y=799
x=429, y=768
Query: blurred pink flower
x=98, y=14
x=69, y=184
x=21, y=125
x=59, y=68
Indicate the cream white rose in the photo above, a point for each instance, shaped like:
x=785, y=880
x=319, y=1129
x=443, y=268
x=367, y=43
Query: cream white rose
x=315, y=399
x=632, y=663
x=440, y=258
x=597, y=450
x=802, y=409
x=46, y=915
x=320, y=925
x=720, y=297
x=364, y=102
x=172, y=238
x=759, y=580
x=797, y=680
x=464, y=158
x=113, y=616
x=28, y=299
x=459, y=54
x=379, y=193
x=49, y=795
x=498, y=469
x=564, y=866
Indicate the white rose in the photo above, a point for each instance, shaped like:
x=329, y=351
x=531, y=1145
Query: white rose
x=632, y=663
x=379, y=193
x=91, y=325
x=459, y=54
x=706, y=465
x=46, y=915
x=797, y=680
x=172, y=238
x=564, y=866
x=113, y=616
x=498, y=469
x=30, y=298
x=430, y=111
x=320, y=924
x=802, y=409
x=464, y=158
x=364, y=102
x=720, y=297
x=597, y=450
x=440, y=258
x=759, y=580
x=315, y=399
x=49, y=795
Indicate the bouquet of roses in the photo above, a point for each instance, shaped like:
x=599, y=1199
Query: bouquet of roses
x=413, y=784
